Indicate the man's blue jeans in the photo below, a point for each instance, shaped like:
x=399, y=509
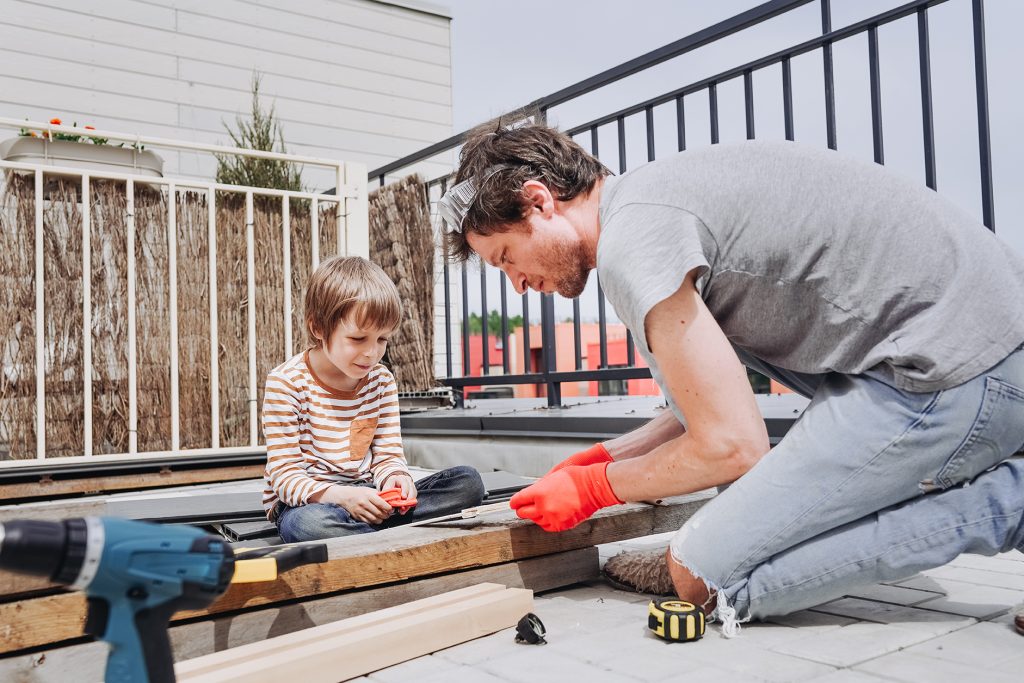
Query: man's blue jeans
x=442, y=493
x=871, y=484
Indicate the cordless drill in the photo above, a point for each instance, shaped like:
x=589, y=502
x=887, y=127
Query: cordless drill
x=135, y=576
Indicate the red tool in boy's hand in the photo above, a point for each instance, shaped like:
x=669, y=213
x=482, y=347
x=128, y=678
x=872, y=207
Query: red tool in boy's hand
x=393, y=497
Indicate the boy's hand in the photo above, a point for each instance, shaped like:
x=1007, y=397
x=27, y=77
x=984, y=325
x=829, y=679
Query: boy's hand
x=361, y=502
x=402, y=481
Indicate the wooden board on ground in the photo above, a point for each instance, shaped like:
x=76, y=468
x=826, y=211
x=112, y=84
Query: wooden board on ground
x=86, y=661
x=356, y=646
x=48, y=488
x=381, y=558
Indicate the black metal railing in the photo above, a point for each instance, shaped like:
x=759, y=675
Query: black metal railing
x=587, y=134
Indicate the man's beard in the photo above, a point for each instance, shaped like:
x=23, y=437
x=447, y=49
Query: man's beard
x=573, y=261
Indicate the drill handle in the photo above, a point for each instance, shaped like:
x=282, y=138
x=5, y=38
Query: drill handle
x=140, y=649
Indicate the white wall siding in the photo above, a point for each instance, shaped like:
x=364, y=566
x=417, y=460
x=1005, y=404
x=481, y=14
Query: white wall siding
x=357, y=80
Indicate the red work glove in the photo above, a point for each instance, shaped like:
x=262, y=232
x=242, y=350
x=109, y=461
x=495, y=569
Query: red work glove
x=563, y=499
x=593, y=455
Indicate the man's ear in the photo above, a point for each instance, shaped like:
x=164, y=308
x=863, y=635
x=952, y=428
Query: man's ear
x=539, y=198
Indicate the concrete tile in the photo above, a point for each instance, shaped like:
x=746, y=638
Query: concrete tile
x=738, y=657
x=1011, y=666
x=899, y=581
x=565, y=618
x=913, y=668
x=853, y=644
x=1007, y=563
x=598, y=594
x=614, y=643
x=634, y=650
x=713, y=675
x=498, y=644
x=979, y=576
x=989, y=643
x=927, y=583
x=934, y=623
x=980, y=602
x=462, y=674
x=897, y=595
x=809, y=621
x=848, y=676
x=762, y=635
x=674, y=663
x=544, y=665
x=414, y=669
x=1005, y=619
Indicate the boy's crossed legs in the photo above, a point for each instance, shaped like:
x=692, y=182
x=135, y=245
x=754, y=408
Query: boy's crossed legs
x=442, y=493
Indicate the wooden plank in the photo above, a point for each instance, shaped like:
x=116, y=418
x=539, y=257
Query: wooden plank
x=48, y=488
x=357, y=646
x=86, y=661
x=381, y=558
x=272, y=646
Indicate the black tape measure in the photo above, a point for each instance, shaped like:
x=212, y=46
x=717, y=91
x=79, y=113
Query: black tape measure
x=675, y=621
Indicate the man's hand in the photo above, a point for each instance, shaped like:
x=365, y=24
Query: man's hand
x=361, y=502
x=563, y=499
x=592, y=456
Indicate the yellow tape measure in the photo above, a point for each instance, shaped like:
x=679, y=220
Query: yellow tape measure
x=676, y=621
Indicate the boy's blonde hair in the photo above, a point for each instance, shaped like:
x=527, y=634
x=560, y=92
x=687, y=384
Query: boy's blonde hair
x=353, y=289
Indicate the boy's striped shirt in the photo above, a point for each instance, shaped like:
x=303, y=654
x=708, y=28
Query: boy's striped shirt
x=318, y=436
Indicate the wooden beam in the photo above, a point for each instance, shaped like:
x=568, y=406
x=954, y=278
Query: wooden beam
x=372, y=560
x=86, y=661
x=48, y=488
x=357, y=646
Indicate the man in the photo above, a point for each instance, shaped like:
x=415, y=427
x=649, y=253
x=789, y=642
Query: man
x=899, y=315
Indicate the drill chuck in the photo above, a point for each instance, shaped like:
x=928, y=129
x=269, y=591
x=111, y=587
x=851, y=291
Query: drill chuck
x=56, y=550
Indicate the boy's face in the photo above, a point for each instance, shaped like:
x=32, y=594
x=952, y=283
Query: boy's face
x=354, y=351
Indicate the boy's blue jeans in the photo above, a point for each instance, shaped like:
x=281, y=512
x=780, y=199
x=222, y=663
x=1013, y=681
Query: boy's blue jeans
x=442, y=493
x=871, y=484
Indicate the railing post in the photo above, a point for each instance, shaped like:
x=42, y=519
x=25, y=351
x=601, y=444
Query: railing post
x=547, y=340
x=40, y=321
x=86, y=317
x=355, y=210
x=547, y=321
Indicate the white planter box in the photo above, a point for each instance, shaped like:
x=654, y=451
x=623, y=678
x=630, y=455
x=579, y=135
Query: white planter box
x=82, y=155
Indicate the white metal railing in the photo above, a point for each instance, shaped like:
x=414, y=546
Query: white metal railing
x=349, y=198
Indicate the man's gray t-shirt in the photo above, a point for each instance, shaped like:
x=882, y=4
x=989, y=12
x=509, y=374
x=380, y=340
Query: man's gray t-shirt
x=814, y=262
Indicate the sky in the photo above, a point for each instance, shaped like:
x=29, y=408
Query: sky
x=506, y=55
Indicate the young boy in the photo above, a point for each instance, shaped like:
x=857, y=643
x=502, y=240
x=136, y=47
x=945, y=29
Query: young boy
x=330, y=415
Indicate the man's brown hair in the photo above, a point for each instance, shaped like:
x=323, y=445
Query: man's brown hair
x=531, y=152
x=353, y=289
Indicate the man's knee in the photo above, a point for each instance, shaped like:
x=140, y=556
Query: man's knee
x=711, y=551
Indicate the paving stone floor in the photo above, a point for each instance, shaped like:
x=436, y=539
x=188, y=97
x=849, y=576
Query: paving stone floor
x=954, y=624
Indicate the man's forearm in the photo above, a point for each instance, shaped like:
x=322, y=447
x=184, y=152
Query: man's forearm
x=676, y=467
x=646, y=438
